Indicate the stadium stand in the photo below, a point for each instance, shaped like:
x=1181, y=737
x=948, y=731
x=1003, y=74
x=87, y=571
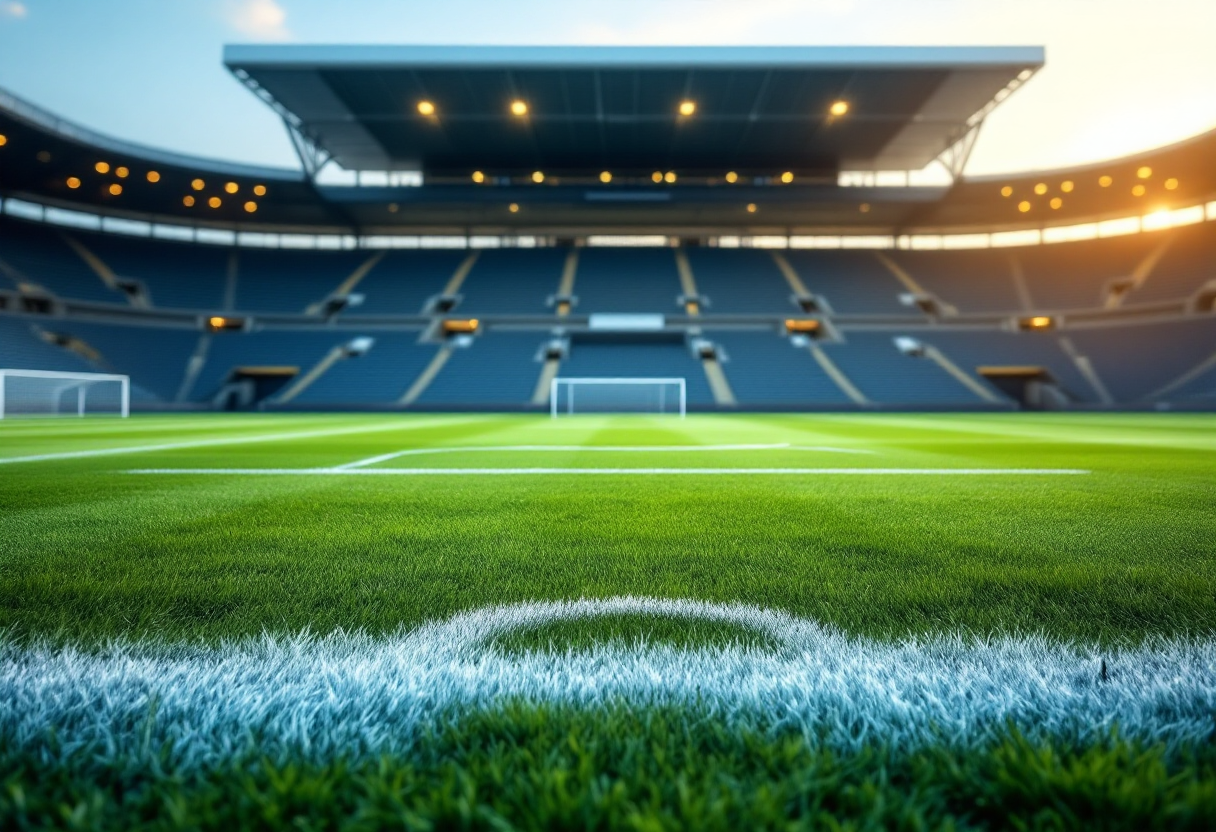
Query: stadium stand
x=627, y=280
x=886, y=375
x=624, y=360
x=513, y=282
x=174, y=275
x=970, y=281
x=765, y=369
x=496, y=369
x=852, y=282
x=402, y=282
x=740, y=281
x=1139, y=360
x=41, y=255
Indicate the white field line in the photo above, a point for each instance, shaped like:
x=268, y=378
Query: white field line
x=374, y=460
x=350, y=694
x=203, y=443
x=429, y=472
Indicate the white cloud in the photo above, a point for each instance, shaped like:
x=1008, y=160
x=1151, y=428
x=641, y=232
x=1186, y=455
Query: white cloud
x=263, y=19
x=14, y=9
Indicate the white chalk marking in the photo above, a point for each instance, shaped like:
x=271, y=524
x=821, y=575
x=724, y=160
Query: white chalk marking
x=465, y=472
x=374, y=460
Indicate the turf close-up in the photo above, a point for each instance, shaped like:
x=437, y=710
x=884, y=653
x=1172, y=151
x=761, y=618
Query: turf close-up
x=637, y=622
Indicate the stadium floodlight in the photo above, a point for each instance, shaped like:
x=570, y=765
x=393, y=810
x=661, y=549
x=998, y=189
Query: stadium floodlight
x=570, y=396
x=52, y=393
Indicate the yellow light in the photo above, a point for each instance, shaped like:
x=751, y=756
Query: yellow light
x=1056, y=203
x=426, y=108
x=1023, y=206
x=864, y=207
x=1144, y=172
x=669, y=177
x=513, y=208
x=787, y=177
x=1066, y=186
x=538, y=177
x=1040, y=188
x=102, y=167
x=519, y=108
x=116, y=189
x=214, y=202
x=153, y=176
x=188, y=201
x=198, y=184
x=1105, y=181
x=839, y=108
x=251, y=206
x=232, y=187
x=606, y=177
x=216, y=321
x=1040, y=321
x=259, y=190
x=1007, y=191
x=732, y=177
x=687, y=108
x=479, y=177
x=1138, y=190
x=73, y=182
x=751, y=207
x=3, y=140
x=1171, y=184
x=656, y=177
x=122, y=173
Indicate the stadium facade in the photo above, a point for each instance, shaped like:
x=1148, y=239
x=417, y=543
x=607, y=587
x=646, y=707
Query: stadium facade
x=743, y=219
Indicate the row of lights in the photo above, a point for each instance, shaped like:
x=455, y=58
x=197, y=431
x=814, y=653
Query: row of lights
x=657, y=177
x=1105, y=181
x=751, y=208
x=122, y=172
x=519, y=108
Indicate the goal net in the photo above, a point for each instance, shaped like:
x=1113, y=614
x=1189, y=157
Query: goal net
x=50, y=393
x=569, y=396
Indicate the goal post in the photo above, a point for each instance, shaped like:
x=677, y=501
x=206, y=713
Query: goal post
x=570, y=396
x=54, y=393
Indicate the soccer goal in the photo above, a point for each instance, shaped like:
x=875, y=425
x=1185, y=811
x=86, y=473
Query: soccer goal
x=51, y=393
x=568, y=396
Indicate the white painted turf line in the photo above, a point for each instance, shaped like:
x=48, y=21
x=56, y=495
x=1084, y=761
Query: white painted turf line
x=430, y=472
x=596, y=448
x=353, y=694
x=203, y=443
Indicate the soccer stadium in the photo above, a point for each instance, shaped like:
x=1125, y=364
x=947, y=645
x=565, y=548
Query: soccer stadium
x=640, y=437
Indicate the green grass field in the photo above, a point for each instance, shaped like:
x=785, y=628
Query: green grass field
x=219, y=530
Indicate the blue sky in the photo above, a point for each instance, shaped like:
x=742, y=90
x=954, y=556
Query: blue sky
x=1121, y=76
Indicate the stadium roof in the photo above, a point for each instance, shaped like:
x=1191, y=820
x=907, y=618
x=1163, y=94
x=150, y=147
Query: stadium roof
x=754, y=109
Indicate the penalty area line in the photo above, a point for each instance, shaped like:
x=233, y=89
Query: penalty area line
x=466, y=472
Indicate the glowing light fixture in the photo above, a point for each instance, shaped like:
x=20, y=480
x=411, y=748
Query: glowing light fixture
x=1040, y=188
x=1171, y=184
x=606, y=177
x=1144, y=172
x=122, y=173
x=519, y=108
x=513, y=208
x=732, y=177
x=1066, y=186
x=153, y=176
x=787, y=177
x=115, y=189
x=839, y=108
x=3, y=140
x=102, y=167
x=214, y=202
x=1036, y=322
x=1105, y=181
x=1138, y=190
x=479, y=177
x=687, y=108
x=656, y=177
x=216, y=321
x=426, y=108
x=73, y=182
x=259, y=190
x=1023, y=206
x=669, y=177
x=188, y=201
x=251, y=206
x=1007, y=191
x=198, y=184
x=538, y=177
x=1056, y=203
x=751, y=207
x=231, y=187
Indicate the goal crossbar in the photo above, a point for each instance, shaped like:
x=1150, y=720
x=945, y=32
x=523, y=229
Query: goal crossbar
x=67, y=381
x=570, y=383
